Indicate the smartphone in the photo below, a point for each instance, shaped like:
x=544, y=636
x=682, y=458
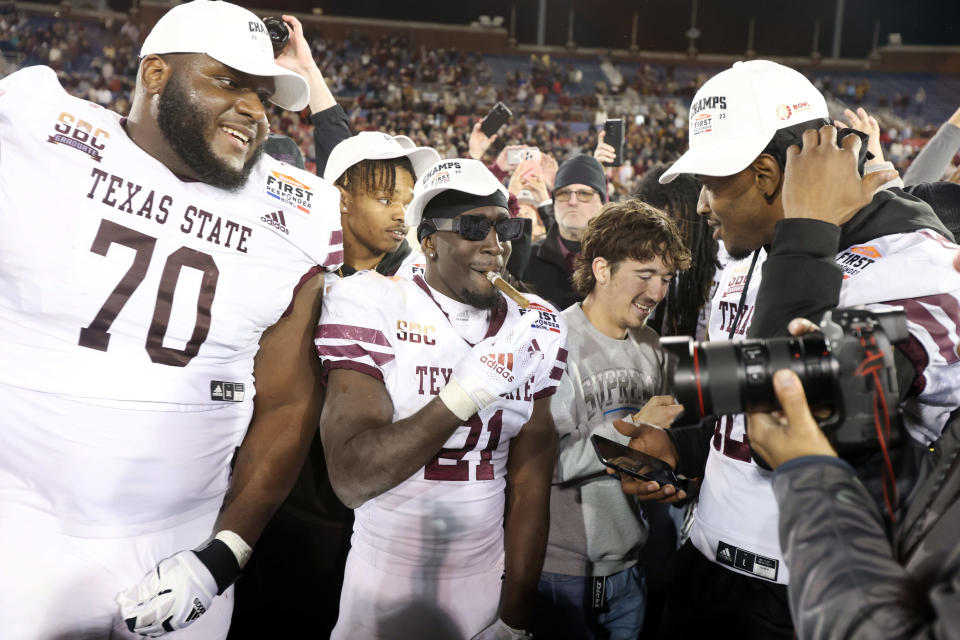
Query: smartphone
x=613, y=136
x=499, y=115
x=516, y=156
x=632, y=462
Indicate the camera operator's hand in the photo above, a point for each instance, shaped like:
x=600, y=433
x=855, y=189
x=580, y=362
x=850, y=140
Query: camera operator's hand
x=821, y=181
x=604, y=152
x=480, y=142
x=791, y=433
x=863, y=121
x=653, y=441
x=297, y=57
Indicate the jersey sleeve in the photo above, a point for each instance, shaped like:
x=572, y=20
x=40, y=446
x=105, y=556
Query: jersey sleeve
x=26, y=89
x=354, y=333
x=553, y=330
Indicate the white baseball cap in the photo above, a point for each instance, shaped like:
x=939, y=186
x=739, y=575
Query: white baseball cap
x=735, y=113
x=374, y=145
x=231, y=35
x=459, y=174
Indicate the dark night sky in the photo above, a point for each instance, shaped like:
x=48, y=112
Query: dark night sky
x=782, y=27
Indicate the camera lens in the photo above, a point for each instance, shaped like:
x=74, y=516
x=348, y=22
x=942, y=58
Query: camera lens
x=719, y=378
x=279, y=33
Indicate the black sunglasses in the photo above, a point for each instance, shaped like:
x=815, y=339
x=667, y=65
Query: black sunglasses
x=472, y=227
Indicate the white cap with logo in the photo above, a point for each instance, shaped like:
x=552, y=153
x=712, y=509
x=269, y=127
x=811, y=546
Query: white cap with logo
x=374, y=145
x=231, y=35
x=459, y=174
x=735, y=113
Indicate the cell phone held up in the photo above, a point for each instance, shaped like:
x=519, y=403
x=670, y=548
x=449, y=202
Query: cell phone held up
x=498, y=116
x=632, y=462
x=613, y=135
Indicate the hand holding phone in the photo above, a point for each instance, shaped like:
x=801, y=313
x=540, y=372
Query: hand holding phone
x=633, y=463
x=498, y=116
x=613, y=135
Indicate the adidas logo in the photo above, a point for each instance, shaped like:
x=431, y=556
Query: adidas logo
x=197, y=611
x=725, y=553
x=276, y=220
x=501, y=363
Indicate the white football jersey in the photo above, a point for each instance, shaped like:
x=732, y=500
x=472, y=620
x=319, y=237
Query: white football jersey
x=737, y=513
x=125, y=286
x=447, y=518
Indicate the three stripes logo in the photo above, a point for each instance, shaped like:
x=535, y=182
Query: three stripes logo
x=276, y=220
x=197, y=611
x=501, y=363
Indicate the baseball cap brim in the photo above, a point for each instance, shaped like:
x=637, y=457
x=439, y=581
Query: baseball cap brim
x=291, y=91
x=352, y=150
x=478, y=182
x=716, y=160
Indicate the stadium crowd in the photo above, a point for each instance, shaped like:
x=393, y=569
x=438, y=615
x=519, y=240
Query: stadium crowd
x=440, y=380
x=434, y=96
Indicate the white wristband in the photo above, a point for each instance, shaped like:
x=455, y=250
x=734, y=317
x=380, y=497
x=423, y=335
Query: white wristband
x=457, y=400
x=236, y=544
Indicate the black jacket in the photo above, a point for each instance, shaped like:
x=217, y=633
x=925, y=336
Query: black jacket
x=849, y=577
x=330, y=128
x=547, y=273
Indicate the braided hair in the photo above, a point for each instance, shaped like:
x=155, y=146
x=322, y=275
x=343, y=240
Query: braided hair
x=690, y=290
x=374, y=176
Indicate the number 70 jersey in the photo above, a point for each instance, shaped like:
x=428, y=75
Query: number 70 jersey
x=121, y=281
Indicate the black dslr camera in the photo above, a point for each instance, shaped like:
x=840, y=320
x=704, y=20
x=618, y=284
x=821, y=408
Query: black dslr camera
x=847, y=367
x=279, y=33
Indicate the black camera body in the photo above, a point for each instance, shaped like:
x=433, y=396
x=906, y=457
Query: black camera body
x=847, y=368
x=279, y=33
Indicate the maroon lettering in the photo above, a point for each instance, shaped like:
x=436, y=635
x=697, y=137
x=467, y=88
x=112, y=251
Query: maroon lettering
x=187, y=219
x=164, y=206
x=176, y=262
x=146, y=209
x=459, y=471
x=214, y=235
x=231, y=226
x=130, y=193
x=434, y=378
x=244, y=234
x=731, y=447
x=96, y=335
x=421, y=371
x=115, y=181
x=98, y=176
x=205, y=216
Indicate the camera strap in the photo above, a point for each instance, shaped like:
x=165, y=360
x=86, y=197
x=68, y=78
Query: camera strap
x=743, y=295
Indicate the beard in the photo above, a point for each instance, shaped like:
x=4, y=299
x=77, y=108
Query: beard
x=479, y=300
x=738, y=253
x=183, y=127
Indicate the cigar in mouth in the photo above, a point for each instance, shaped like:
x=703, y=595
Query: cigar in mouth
x=505, y=286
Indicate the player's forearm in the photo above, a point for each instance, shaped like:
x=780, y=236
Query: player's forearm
x=267, y=465
x=320, y=95
x=527, y=525
x=380, y=457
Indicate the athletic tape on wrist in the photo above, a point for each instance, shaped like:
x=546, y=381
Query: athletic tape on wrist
x=236, y=544
x=457, y=400
x=220, y=561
